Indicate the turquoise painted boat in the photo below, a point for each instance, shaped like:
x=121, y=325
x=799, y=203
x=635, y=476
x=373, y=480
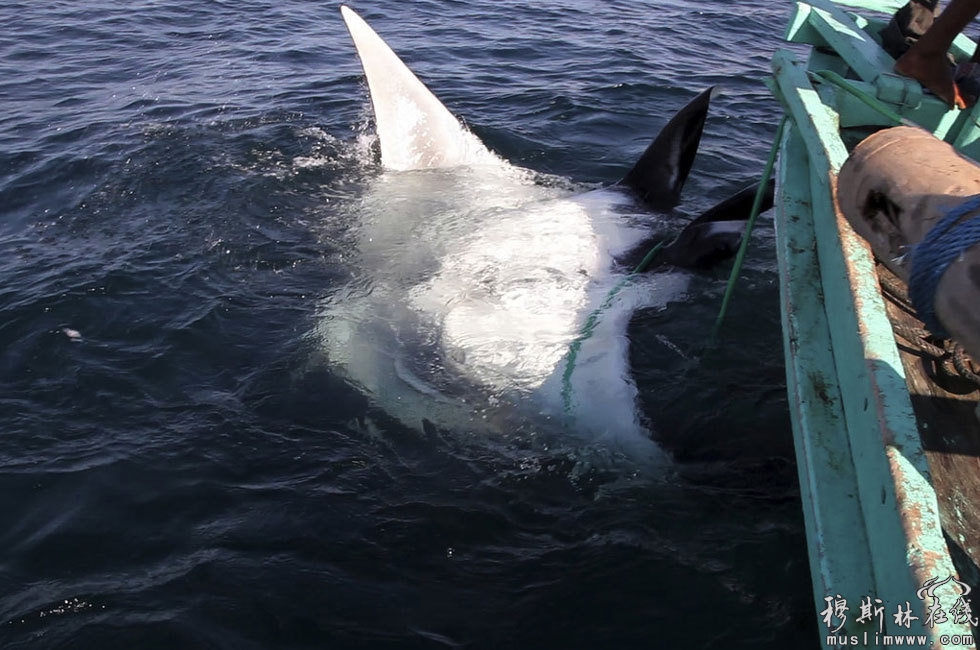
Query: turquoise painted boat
x=889, y=463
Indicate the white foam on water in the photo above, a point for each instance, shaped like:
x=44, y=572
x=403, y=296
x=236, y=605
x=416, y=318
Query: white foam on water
x=472, y=285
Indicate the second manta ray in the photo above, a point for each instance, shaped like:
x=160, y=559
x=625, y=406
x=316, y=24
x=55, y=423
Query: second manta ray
x=474, y=281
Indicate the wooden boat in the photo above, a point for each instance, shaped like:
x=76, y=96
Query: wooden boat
x=889, y=462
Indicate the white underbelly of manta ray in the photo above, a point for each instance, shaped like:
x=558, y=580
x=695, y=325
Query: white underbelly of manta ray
x=502, y=275
x=515, y=293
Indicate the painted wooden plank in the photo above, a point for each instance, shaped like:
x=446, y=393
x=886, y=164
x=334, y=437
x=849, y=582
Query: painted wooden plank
x=898, y=503
x=825, y=25
x=967, y=140
x=951, y=439
x=840, y=560
x=862, y=53
x=799, y=29
x=805, y=106
x=883, y=6
x=871, y=63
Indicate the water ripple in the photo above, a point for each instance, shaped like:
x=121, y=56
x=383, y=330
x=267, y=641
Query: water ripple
x=179, y=465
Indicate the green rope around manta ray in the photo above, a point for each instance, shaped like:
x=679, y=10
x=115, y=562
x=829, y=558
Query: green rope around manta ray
x=593, y=319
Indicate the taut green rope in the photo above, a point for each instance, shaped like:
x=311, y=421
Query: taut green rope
x=592, y=321
x=872, y=102
x=756, y=204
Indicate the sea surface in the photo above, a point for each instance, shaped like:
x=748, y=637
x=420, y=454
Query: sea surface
x=181, y=466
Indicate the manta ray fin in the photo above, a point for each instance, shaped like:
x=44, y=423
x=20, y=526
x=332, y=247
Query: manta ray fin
x=712, y=237
x=717, y=233
x=414, y=129
x=659, y=174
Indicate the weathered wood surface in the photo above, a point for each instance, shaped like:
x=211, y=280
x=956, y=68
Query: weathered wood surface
x=838, y=545
x=919, y=494
x=950, y=434
x=900, y=513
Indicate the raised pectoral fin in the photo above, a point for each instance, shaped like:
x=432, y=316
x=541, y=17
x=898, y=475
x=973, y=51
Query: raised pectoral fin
x=659, y=175
x=415, y=130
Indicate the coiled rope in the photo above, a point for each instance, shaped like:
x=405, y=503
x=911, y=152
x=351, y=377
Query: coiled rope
x=946, y=241
x=950, y=362
x=930, y=259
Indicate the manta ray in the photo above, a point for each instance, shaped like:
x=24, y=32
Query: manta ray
x=487, y=298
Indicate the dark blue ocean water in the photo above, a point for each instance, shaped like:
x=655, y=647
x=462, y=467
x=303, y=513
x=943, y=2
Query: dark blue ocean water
x=179, y=465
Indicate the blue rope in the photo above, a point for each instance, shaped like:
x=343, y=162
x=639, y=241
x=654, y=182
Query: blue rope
x=932, y=256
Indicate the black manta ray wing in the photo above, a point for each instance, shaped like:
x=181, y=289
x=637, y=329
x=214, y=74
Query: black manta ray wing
x=658, y=176
x=717, y=234
x=711, y=238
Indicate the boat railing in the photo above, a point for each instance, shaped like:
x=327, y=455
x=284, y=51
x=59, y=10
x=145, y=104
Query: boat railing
x=881, y=489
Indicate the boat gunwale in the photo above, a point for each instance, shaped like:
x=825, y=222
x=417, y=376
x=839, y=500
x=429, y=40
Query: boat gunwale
x=862, y=342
